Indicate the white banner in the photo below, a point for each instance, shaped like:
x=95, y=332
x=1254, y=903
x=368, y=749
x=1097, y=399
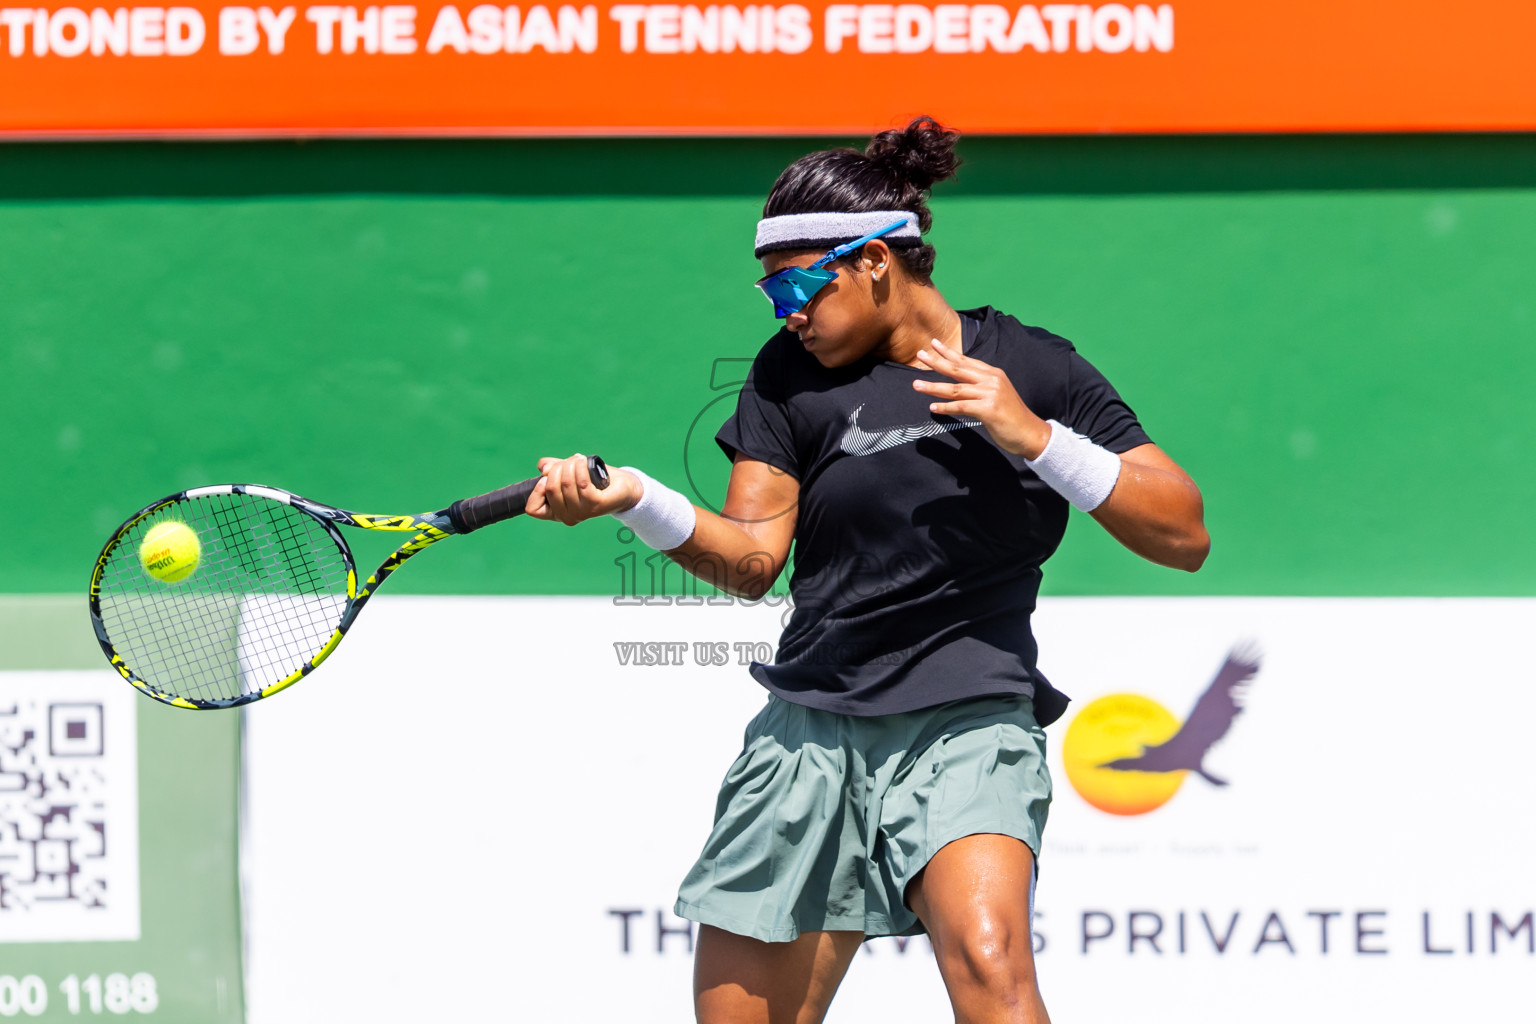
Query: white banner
x=489, y=802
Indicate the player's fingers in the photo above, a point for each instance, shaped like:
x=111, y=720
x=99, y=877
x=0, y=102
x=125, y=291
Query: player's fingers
x=551, y=469
x=583, y=473
x=558, y=492
x=940, y=359
x=946, y=389
x=932, y=357
x=980, y=367
x=570, y=491
x=537, y=506
x=961, y=408
x=554, y=494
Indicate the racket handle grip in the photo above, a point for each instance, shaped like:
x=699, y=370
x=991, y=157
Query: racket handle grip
x=469, y=514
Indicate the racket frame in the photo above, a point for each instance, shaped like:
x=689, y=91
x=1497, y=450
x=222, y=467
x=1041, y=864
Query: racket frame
x=429, y=528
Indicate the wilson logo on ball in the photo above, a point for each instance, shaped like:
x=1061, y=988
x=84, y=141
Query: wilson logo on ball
x=170, y=552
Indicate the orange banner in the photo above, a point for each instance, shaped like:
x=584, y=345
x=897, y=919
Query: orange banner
x=549, y=69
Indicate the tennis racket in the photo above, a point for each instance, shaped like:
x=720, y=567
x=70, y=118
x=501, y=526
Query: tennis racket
x=273, y=592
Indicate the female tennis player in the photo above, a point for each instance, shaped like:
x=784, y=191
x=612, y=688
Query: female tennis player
x=921, y=460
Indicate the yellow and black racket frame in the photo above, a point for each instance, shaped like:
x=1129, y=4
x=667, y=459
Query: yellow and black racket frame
x=463, y=516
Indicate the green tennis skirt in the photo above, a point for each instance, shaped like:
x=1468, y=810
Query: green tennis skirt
x=824, y=818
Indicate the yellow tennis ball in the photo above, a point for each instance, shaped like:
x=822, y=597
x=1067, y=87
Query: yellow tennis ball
x=170, y=552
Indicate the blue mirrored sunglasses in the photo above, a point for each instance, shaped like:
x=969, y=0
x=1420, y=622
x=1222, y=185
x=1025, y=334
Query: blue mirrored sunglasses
x=791, y=288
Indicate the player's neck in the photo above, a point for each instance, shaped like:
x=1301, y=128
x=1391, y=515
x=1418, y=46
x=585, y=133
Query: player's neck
x=926, y=317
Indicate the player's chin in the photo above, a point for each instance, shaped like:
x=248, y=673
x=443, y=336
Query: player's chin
x=829, y=355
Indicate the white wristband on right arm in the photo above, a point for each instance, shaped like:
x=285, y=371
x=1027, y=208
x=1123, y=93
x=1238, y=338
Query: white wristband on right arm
x=662, y=518
x=1076, y=468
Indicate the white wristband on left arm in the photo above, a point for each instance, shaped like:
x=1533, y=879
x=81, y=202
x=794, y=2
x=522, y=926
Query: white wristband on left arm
x=1079, y=470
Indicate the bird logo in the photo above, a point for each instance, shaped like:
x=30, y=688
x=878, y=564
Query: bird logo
x=1127, y=754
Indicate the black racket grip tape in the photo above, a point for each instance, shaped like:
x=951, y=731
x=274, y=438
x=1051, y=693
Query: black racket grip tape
x=470, y=514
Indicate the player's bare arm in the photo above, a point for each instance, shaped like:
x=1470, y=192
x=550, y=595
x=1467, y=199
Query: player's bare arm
x=1155, y=508
x=741, y=551
x=750, y=538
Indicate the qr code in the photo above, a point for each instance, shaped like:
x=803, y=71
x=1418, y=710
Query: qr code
x=69, y=843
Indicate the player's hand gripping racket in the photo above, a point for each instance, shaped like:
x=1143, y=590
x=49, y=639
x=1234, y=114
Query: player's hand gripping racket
x=219, y=596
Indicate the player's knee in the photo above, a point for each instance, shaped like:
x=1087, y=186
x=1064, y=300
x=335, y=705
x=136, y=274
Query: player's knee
x=994, y=956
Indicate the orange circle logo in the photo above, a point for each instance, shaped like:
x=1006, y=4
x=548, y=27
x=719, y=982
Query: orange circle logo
x=1117, y=728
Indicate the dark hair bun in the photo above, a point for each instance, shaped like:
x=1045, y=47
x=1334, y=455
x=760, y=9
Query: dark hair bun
x=920, y=154
x=893, y=173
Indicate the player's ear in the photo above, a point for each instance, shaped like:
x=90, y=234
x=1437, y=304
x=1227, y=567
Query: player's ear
x=877, y=258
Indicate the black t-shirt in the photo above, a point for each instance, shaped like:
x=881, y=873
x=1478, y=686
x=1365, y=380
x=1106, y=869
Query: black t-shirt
x=919, y=541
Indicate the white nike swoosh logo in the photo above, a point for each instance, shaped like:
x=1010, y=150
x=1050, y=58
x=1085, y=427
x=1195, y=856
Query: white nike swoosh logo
x=858, y=441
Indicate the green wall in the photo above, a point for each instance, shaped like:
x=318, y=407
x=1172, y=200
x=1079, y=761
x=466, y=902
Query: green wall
x=1336, y=336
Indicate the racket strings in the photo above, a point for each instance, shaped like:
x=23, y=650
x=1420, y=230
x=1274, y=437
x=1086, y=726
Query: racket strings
x=269, y=591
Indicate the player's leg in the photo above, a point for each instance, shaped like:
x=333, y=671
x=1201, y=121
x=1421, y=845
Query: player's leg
x=973, y=897
x=741, y=980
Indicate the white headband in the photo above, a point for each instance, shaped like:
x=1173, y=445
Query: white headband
x=815, y=230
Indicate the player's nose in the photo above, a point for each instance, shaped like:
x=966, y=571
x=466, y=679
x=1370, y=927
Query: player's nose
x=796, y=320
